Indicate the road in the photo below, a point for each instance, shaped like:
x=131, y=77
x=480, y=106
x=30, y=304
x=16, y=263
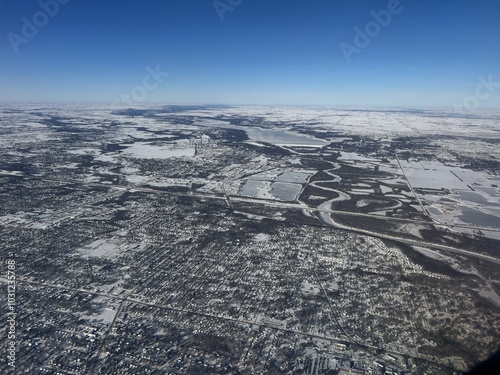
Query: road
x=127, y=298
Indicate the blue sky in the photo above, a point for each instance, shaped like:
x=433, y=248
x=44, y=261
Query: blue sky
x=431, y=52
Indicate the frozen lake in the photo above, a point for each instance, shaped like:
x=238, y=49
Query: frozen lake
x=286, y=191
x=476, y=217
x=148, y=151
x=273, y=136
